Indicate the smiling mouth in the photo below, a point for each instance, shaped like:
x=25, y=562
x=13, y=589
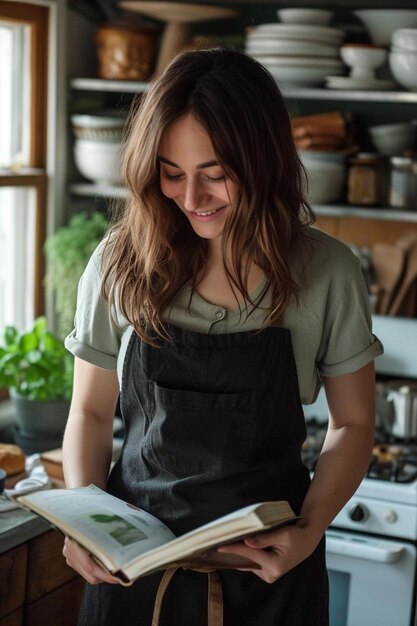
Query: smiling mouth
x=212, y=212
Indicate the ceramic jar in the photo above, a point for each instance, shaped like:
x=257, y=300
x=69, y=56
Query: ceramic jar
x=125, y=52
x=366, y=184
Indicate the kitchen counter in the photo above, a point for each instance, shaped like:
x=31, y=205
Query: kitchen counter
x=18, y=526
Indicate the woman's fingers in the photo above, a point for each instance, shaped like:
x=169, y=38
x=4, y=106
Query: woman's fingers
x=271, y=565
x=276, y=552
x=79, y=559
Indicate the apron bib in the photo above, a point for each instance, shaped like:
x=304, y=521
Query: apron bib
x=213, y=423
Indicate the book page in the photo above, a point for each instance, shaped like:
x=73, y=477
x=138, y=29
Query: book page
x=118, y=528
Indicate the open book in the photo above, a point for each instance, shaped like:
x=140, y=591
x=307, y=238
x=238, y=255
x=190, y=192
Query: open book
x=129, y=542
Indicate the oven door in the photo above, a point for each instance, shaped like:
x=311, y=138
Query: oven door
x=371, y=580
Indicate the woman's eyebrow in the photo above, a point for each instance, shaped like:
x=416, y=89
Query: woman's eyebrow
x=199, y=167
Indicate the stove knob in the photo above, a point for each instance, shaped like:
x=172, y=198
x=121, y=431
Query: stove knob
x=390, y=517
x=358, y=513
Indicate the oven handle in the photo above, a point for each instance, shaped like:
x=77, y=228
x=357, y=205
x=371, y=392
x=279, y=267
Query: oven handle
x=386, y=552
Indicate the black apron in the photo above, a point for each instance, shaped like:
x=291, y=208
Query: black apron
x=213, y=423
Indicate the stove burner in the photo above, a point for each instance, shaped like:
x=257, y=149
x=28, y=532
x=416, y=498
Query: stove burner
x=394, y=463
x=392, y=460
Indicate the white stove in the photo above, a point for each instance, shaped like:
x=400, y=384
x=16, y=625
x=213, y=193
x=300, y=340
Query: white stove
x=371, y=546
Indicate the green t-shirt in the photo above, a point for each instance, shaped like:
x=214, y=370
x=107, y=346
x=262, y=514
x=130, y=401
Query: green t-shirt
x=330, y=323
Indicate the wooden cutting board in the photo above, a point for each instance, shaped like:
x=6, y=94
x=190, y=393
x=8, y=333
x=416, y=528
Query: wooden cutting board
x=389, y=264
x=405, y=301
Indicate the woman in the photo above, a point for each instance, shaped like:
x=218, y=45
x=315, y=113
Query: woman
x=223, y=310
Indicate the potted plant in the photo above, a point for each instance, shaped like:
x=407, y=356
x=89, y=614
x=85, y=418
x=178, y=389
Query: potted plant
x=68, y=251
x=38, y=371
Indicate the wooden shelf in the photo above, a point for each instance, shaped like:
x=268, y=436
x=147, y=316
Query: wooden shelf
x=100, y=84
x=303, y=93
x=96, y=190
x=373, y=213
x=334, y=210
x=385, y=97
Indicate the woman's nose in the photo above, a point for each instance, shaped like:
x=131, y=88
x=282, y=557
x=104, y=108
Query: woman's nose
x=193, y=196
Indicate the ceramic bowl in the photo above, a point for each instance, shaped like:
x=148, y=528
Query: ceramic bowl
x=363, y=59
x=381, y=23
x=403, y=66
x=98, y=161
x=292, y=47
x=321, y=17
x=392, y=139
x=98, y=127
x=405, y=38
x=326, y=174
x=300, y=71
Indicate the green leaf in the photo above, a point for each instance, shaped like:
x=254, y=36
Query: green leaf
x=28, y=342
x=10, y=335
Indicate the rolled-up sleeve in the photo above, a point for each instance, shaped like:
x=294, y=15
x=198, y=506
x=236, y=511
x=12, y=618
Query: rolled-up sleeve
x=348, y=342
x=96, y=335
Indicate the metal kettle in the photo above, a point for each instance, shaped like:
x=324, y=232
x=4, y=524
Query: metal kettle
x=396, y=408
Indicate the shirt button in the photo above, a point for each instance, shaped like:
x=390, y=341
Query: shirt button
x=220, y=314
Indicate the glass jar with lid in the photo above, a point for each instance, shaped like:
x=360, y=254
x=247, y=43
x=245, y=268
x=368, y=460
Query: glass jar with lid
x=403, y=183
x=366, y=180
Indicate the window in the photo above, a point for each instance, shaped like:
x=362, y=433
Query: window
x=23, y=86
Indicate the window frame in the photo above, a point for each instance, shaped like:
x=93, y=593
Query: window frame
x=37, y=18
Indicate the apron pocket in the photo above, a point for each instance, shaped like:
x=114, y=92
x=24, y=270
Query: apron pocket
x=194, y=432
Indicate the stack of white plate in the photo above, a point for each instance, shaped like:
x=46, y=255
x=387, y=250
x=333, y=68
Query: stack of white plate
x=297, y=55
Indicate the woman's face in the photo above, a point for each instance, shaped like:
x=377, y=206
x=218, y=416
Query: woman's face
x=193, y=178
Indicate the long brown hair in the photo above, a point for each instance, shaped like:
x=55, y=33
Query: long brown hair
x=152, y=250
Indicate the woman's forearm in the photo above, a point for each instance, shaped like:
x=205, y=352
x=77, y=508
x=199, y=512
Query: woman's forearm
x=87, y=450
x=347, y=448
x=342, y=464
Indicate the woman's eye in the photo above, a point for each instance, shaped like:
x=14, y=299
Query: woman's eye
x=171, y=176
x=216, y=179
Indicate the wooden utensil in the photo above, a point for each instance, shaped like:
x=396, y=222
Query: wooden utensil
x=389, y=263
x=179, y=17
x=405, y=302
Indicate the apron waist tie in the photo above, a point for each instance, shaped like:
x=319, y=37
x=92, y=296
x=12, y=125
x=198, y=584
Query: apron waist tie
x=214, y=600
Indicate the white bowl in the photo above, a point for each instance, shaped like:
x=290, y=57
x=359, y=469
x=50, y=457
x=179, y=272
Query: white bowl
x=305, y=16
x=363, y=59
x=392, y=139
x=403, y=66
x=98, y=126
x=326, y=174
x=405, y=38
x=98, y=161
x=323, y=34
x=294, y=47
x=300, y=71
x=381, y=23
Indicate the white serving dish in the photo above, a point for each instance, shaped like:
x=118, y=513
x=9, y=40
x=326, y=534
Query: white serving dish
x=301, y=61
x=291, y=47
x=381, y=23
x=403, y=66
x=98, y=161
x=364, y=84
x=363, y=59
x=322, y=17
x=324, y=34
x=392, y=139
x=404, y=38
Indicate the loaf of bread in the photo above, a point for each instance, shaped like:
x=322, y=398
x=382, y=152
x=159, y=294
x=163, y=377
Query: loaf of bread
x=12, y=458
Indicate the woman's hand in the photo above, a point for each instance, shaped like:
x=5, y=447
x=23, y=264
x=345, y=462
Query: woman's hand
x=81, y=562
x=276, y=551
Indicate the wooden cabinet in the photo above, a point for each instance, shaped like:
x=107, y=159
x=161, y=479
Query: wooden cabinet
x=37, y=586
x=13, y=567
